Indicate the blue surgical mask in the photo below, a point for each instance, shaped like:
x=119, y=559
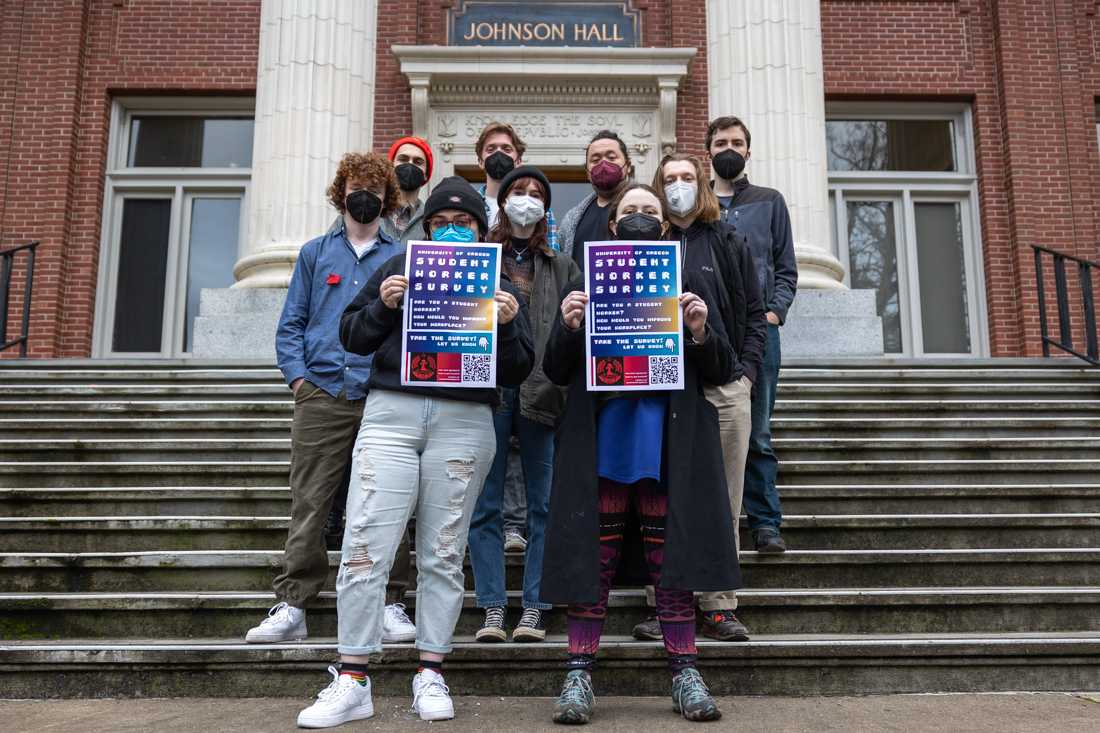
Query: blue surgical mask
x=451, y=233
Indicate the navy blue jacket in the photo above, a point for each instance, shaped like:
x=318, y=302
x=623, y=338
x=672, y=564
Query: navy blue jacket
x=760, y=215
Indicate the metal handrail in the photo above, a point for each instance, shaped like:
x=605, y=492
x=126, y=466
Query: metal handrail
x=1061, y=287
x=7, y=266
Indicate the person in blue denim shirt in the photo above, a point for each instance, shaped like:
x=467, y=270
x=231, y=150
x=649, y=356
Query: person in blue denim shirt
x=760, y=215
x=330, y=387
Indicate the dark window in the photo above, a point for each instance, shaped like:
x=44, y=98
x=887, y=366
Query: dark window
x=142, y=263
x=209, y=142
x=890, y=145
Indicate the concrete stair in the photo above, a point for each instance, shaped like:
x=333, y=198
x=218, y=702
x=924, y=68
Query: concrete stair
x=943, y=520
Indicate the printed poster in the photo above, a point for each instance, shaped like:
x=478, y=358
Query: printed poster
x=633, y=325
x=449, y=335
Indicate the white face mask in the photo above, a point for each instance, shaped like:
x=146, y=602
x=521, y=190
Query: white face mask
x=681, y=197
x=524, y=211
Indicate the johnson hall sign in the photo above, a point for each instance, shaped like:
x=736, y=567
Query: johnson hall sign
x=562, y=23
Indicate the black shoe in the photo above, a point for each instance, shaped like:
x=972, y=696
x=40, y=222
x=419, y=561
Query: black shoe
x=531, y=626
x=769, y=541
x=724, y=626
x=334, y=531
x=493, y=629
x=649, y=630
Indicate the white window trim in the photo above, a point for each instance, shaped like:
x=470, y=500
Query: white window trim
x=180, y=184
x=919, y=186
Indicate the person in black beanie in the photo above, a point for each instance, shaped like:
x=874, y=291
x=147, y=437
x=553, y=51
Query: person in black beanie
x=422, y=450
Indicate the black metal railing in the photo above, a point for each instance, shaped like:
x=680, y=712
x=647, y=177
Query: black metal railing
x=1062, y=293
x=7, y=267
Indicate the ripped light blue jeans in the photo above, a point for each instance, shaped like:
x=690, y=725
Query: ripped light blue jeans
x=421, y=454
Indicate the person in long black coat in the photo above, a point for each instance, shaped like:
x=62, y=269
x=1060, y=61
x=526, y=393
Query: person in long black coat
x=686, y=522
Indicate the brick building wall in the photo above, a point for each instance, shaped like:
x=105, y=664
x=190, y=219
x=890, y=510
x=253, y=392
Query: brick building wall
x=1029, y=70
x=64, y=60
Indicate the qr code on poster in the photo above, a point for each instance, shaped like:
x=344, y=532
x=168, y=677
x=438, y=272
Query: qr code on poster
x=662, y=370
x=476, y=367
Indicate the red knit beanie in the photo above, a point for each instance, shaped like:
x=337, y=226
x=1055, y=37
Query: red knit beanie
x=418, y=142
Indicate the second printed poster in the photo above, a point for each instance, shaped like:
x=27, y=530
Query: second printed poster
x=634, y=325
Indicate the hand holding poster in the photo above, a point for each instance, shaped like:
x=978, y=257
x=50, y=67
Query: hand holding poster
x=449, y=335
x=633, y=325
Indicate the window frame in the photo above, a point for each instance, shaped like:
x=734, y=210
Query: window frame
x=915, y=187
x=179, y=183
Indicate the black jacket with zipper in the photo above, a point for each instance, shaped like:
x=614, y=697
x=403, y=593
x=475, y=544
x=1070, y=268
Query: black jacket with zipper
x=369, y=326
x=741, y=309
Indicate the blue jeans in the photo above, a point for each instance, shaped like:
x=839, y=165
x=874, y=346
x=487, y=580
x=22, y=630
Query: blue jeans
x=536, y=448
x=761, y=500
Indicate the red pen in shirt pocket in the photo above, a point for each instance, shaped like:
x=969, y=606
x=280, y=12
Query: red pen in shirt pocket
x=333, y=279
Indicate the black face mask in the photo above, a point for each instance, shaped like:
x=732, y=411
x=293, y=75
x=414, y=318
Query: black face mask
x=409, y=177
x=728, y=164
x=638, y=226
x=363, y=206
x=498, y=165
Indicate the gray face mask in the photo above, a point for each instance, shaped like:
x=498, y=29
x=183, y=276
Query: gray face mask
x=681, y=197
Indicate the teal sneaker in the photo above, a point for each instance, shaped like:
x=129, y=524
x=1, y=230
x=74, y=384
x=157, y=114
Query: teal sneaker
x=576, y=701
x=691, y=698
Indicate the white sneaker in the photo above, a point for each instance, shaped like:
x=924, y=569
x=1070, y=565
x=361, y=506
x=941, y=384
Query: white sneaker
x=514, y=542
x=284, y=622
x=431, y=697
x=396, y=626
x=343, y=700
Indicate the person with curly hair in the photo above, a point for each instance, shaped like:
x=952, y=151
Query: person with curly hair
x=329, y=384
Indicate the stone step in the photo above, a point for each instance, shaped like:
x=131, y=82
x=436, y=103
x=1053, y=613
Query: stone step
x=1015, y=426
x=25, y=616
x=812, y=532
x=974, y=498
x=768, y=665
x=88, y=474
x=279, y=404
x=260, y=472
x=789, y=449
x=220, y=570
x=783, y=428
x=274, y=500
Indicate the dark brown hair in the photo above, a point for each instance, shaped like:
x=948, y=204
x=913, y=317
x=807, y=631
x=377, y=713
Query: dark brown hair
x=706, y=208
x=493, y=128
x=724, y=123
x=502, y=232
x=622, y=194
x=372, y=170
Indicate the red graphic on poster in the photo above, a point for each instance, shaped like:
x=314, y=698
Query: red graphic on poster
x=423, y=367
x=609, y=370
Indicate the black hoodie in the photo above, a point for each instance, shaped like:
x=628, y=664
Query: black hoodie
x=369, y=326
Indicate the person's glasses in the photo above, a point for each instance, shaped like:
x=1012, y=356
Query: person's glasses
x=438, y=222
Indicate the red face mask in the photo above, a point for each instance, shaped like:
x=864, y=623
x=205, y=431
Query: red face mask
x=605, y=175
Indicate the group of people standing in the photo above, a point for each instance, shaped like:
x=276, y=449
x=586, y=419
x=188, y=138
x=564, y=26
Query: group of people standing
x=646, y=486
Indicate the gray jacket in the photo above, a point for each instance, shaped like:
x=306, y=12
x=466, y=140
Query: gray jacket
x=540, y=399
x=568, y=227
x=415, y=229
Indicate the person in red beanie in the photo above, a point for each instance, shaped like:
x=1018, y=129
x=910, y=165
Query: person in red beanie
x=412, y=161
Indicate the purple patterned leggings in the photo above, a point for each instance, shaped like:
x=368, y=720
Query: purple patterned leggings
x=675, y=608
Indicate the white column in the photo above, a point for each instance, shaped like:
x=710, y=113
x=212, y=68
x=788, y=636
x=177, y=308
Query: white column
x=765, y=66
x=314, y=102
